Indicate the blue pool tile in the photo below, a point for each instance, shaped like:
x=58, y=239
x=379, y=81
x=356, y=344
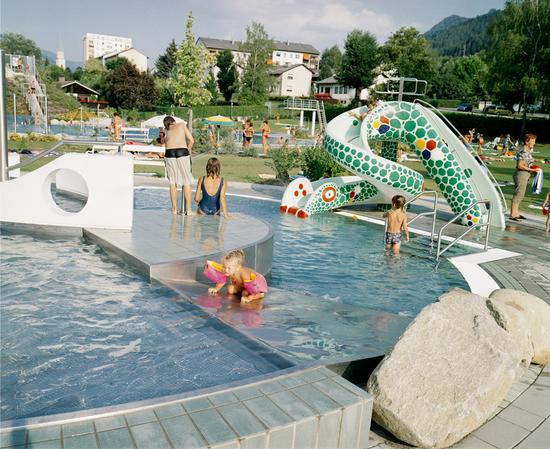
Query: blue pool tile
x=52, y=444
x=248, y=393
x=271, y=387
x=257, y=442
x=281, y=438
x=14, y=438
x=241, y=420
x=87, y=441
x=194, y=405
x=223, y=398
x=292, y=381
x=117, y=438
x=182, y=433
x=305, y=434
x=315, y=399
x=142, y=417
x=337, y=392
x=312, y=376
x=292, y=405
x=350, y=427
x=329, y=430
x=110, y=423
x=44, y=434
x=77, y=428
x=168, y=411
x=149, y=436
x=268, y=412
x=213, y=427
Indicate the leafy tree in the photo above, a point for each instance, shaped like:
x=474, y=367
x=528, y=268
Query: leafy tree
x=409, y=53
x=53, y=73
x=519, y=55
x=17, y=44
x=191, y=70
x=256, y=79
x=114, y=63
x=461, y=77
x=228, y=77
x=358, y=61
x=128, y=88
x=166, y=94
x=77, y=74
x=93, y=75
x=166, y=62
x=212, y=86
x=330, y=62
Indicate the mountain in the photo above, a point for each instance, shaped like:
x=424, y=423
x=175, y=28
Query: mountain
x=50, y=56
x=456, y=36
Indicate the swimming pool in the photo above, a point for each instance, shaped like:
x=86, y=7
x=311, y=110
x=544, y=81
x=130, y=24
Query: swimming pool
x=80, y=332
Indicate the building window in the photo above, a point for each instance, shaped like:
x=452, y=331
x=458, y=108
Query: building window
x=278, y=54
x=289, y=90
x=289, y=77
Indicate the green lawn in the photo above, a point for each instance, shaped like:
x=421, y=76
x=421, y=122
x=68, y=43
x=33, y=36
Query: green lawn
x=248, y=169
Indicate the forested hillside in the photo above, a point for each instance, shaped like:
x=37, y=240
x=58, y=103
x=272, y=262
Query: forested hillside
x=460, y=36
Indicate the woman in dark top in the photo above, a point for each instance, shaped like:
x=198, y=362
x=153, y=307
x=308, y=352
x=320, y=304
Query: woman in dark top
x=210, y=193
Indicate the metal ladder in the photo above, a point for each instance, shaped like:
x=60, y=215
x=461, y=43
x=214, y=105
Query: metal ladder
x=487, y=225
x=433, y=212
x=322, y=115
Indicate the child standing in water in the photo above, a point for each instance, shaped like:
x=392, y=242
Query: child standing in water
x=244, y=281
x=396, y=221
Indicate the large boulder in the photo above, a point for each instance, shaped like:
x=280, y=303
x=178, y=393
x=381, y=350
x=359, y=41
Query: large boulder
x=447, y=373
x=526, y=310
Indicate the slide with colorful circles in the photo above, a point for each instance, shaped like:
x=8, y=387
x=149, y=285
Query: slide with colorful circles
x=459, y=176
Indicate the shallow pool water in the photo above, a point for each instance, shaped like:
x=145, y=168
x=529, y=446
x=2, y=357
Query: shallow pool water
x=340, y=259
x=79, y=332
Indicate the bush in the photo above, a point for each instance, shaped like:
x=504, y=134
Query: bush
x=250, y=152
x=202, y=142
x=283, y=159
x=316, y=163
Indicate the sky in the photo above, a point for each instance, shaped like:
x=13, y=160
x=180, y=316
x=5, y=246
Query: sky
x=152, y=25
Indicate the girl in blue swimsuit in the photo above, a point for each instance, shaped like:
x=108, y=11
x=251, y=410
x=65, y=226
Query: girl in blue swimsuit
x=210, y=193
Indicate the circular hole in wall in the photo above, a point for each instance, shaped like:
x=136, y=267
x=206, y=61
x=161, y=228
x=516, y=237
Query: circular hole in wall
x=69, y=190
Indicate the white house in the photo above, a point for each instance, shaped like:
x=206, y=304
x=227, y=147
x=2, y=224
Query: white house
x=284, y=53
x=331, y=87
x=131, y=54
x=291, y=81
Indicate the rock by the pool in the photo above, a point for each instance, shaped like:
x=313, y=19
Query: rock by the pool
x=447, y=373
x=522, y=306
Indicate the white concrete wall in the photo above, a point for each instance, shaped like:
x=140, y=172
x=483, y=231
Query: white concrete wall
x=136, y=58
x=108, y=181
x=295, y=82
x=287, y=58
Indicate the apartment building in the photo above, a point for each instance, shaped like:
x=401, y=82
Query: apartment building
x=97, y=45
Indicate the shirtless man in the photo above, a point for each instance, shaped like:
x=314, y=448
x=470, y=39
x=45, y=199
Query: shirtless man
x=178, y=142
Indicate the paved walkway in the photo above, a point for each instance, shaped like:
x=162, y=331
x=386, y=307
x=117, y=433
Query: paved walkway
x=522, y=420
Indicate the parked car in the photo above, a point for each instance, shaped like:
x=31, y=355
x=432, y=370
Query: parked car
x=496, y=109
x=465, y=107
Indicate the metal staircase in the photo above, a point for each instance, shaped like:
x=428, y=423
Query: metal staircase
x=308, y=105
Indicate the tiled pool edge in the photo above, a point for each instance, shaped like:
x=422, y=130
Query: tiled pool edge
x=311, y=408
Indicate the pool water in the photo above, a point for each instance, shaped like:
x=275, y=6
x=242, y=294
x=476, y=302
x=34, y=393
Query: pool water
x=340, y=259
x=80, y=332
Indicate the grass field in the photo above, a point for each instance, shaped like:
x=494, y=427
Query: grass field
x=249, y=169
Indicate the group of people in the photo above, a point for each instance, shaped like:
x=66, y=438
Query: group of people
x=248, y=134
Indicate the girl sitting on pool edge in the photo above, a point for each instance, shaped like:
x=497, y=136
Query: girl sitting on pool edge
x=244, y=281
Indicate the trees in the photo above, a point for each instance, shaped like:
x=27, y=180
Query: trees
x=128, y=88
x=256, y=79
x=167, y=61
x=17, y=44
x=331, y=58
x=228, y=77
x=212, y=86
x=358, y=61
x=191, y=70
x=461, y=77
x=519, y=55
x=114, y=63
x=93, y=75
x=409, y=53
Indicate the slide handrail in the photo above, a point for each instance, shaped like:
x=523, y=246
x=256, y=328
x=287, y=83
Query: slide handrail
x=433, y=212
x=468, y=230
x=468, y=146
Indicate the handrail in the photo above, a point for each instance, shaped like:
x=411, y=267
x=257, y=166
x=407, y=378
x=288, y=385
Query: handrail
x=56, y=146
x=468, y=146
x=423, y=214
x=481, y=225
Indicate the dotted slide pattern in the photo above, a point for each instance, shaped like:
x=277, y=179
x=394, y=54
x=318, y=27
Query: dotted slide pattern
x=405, y=122
x=330, y=196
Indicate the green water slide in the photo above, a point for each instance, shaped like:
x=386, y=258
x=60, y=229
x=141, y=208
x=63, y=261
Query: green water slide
x=460, y=177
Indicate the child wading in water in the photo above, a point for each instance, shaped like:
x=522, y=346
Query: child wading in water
x=210, y=193
x=396, y=220
x=244, y=281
